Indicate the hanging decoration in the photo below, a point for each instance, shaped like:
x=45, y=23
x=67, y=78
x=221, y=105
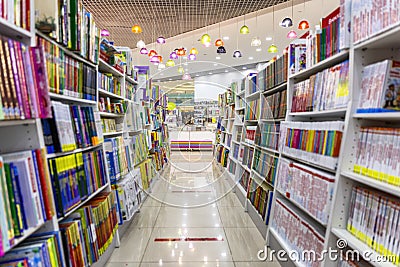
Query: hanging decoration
x=154, y=59
x=144, y=51
x=192, y=57
x=181, y=70
x=161, y=40
x=193, y=51
x=173, y=55
x=161, y=66
x=181, y=52
x=152, y=53
x=136, y=28
x=221, y=50
x=303, y=24
x=170, y=63
x=104, y=32
x=256, y=41
x=237, y=53
x=140, y=44
x=288, y=22
x=160, y=58
x=186, y=76
x=219, y=42
x=291, y=34
x=244, y=29
x=272, y=48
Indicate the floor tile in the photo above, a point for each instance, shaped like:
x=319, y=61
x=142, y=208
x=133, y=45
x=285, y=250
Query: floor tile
x=123, y=264
x=244, y=243
x=132, y=246
x=229, y=200
x=189, y=264
x=210, y=251
x=146, y=217
x=190, y=217
x=235, y=217
x=257, y=264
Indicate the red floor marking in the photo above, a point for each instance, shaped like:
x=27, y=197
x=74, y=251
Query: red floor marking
x=188, y=239
x=191, y=191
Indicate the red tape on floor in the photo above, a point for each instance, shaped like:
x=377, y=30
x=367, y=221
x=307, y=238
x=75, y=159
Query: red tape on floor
x=188, y=239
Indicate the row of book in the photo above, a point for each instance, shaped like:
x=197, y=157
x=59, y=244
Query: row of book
x=251, y=84
x=128, y=196
x=260, y=197
x=76, y=29
x=253, y=110
x=18, y=13
x=147, y=173
x=114, y=107
x=70, y=127
x=297, y=233
x=117, y=158
x=235, y=150
x=23, y=81
x=266, y=165
x=140, y=147
x=376, y=154
x=309, y=188
x=130, y=91
x=228, y=96
x=132, y=117
x=109, y=125
x=323, y=42
x=267, y=135
x=244, y=178
x=316, y=142
x=109, y=83
x=67, y=75
x=274, y=106
x=75, y=177
x=222, y=155
x=372, y=17
x=246, y=156
x=380, y=87
x=274, y=74
x=38, y=250
x=232, y=167
x=26, y=201
x=88, y=232
x=373, y=218
x=326, y=90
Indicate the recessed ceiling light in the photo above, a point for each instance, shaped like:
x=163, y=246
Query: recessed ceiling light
x=197, y=75
x=169, y=79
x=217, y=57
x=210, y=73
x=268, y=38
x=162, y=74
x=244, y=68
x=225, y=38
x=251, y=58
x=226, y=70
x=258, y=49
x=215, y=64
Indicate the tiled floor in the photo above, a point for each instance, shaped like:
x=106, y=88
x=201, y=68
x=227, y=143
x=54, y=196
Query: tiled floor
x=189, y=203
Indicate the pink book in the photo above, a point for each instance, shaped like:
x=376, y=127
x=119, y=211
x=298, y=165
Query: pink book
x=41, y=82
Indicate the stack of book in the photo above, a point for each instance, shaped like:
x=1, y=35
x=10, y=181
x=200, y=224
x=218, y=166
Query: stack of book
x=27, y=200
x=316, y=142
x=274, y=106
x=66, y=75
x=260, y=197
x=310, y=188
x=70, y=127
x=297, y=233
x=325, y=90
x=88, y=232
x=23, y=83
x=380, y=87
x=109, y=83
x=75, y=177
x=376, y=154
x=265, y=165
x=373, y=218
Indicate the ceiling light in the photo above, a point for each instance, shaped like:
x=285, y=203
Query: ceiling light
x=244, y=30
x=181, y=52
x=268, y=38
x=237, y=54
x=173, y=55
x=255, y=41
x=152, y=53
x=154, y=59
x=136, y=29
x=140, y=44
x=197, y=75
x=272, y=49
x=226, y=70
x=291, y=35
x=244, y=68
x=208, y=44
x=210, y=73
x=181, y=70
x=170, y=79
x=219, y=42
x=186, y=76
x=303, y=25
x=258, y=49
x=161, y=40
x=192, y=57
x=221, y=50
x=170, y=63
x=205, y=38
x=144, y=51
x=217, y=57
x=251, y=58
x=104, y=32
x=287, y=22
x=226, y=38
x=161, y=66
x=194, y=51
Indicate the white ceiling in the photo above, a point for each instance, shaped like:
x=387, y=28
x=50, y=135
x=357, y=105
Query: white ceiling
x=206, y=59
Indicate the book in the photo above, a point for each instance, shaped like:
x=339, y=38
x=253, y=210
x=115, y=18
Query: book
x=274, y=106
x=253, y=110
x=116, y=156
x=275, y=72
x=325, y=90
x=267, y=135
x=297, y=56
x=260, y=196
x=314, y=142
x=250, y=134
x=17, y=13
x=380, y=87
x=266, y=165
x=243, y=178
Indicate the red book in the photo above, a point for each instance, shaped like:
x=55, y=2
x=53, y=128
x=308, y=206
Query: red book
x=46, y=191
x=41, y=82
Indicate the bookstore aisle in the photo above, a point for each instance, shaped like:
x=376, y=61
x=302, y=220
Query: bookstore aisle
x=191, y=219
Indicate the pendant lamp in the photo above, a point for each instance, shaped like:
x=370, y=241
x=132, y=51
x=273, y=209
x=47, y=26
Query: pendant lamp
x=155, y=59
x=291, y=35
x=104, y=32
x=173, y=55
x=221, y=50
x=192, y=57
x=152, y=53
x=140, y=44
x=180, y=69
x=272, y=48
x=136, y=28
x=144, y=51
x=170, y=63
x=303, y=24
x=161, y=40
x=237, y=54
x=193, y=51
